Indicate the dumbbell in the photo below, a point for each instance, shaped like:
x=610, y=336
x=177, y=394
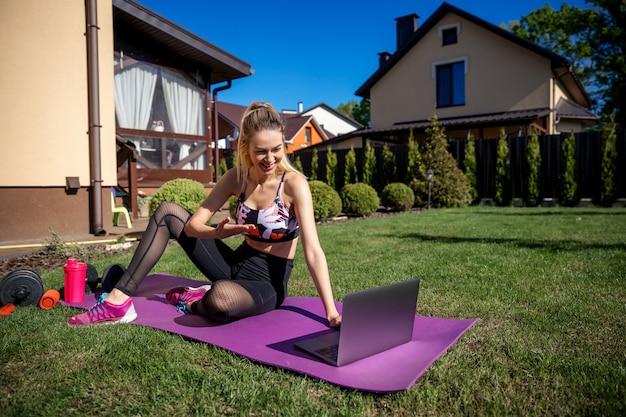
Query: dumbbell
x=110, y=276
x=21, y=287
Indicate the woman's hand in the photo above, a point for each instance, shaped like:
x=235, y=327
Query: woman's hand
x=335, y=321
x=226, y=229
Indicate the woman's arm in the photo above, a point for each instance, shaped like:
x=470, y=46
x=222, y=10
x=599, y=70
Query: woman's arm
x=298, y=188
x=197, y=226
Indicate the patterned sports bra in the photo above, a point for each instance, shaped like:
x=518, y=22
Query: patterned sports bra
x=273, y=224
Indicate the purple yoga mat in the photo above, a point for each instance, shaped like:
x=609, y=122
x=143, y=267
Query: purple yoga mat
x=269, y=338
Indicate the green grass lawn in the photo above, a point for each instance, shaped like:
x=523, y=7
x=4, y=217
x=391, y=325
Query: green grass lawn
x=549, y=286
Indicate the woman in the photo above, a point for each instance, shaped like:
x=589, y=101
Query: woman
x=274, y=208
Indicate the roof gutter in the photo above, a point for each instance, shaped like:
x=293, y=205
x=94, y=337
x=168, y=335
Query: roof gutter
x=95, y=174
x=216, y=136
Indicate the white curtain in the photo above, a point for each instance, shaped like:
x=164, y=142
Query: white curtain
x=183, y=102
x=134, y=93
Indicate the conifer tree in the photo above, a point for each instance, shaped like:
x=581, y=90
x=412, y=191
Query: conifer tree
x=503, y=172
x=608, y=187
x=331, y=167
x=568, y=189
x=369, y=166
x=389, y=166
x=412, y=167
x=449, y=187
x=350, y=175
x=471, y=168
x=532, y=196
x=297, y=164
x=314, y=165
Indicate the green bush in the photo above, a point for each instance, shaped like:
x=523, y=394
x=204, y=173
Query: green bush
x=449, y=186
x=532, y=196
x=326, y=201
x=297, y=164
x=369, y=165
x=569, y=185
x=397, y=196
x=232, y=206
x=350, y=174
x=314, y=165
x=183, y=191
x=471, y=168
x=608, y=168
x=331, y=168
x=359, y=199
x=503, y=172
x=389, y=165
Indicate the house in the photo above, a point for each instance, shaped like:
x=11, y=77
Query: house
x=301, y=130
x=92, y=86
x=475, y=77
x=331, y=120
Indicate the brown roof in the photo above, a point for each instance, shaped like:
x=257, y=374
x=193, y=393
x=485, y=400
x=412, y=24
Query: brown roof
x=232, y=114
x=567, y=109
x=142, y=33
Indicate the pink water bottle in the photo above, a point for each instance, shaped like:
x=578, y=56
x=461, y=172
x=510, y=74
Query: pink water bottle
x=75, y=275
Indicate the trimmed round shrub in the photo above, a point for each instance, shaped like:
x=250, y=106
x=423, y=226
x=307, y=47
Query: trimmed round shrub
x=183, y=191
x=397, y=196
x=326, y=201
x=359, y=199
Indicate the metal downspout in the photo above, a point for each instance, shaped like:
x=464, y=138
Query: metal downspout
x=95, y=168
x=216, y=137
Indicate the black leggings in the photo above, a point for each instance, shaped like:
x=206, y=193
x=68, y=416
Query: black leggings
x=245, y=281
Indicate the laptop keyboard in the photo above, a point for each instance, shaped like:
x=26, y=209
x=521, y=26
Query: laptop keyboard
x=329, y=352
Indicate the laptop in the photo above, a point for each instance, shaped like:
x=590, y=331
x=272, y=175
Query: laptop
x=373, y=320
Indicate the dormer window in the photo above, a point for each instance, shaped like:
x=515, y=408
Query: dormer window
x=449, y=34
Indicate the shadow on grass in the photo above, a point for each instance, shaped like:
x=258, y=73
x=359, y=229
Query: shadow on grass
x=550, y=212
x=551, y=245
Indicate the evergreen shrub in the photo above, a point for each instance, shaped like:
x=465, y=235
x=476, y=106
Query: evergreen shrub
x=326, y=201
x=608, y=167
x=359, y=199
x=397, y=196
x=183, y=191
x=569, y=185
x=503, y=172
x=471, y=168
x=449, y=186
x=532, y=196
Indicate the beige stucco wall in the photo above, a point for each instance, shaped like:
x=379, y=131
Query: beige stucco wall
x=501, y=76
x=44, y=104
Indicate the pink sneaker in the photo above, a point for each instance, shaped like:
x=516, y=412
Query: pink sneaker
x=105, y=313
x=186, y=295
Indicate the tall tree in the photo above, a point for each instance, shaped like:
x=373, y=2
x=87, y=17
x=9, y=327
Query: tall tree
x=350, y=174
x=594, y=40
x=357, y=111
x=389, y=165
x=369, y=165
x=503, y=171
x=331, y=167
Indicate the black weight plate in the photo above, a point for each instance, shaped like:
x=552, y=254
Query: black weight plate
x=21, y=287
x=92, y=279
x=111, y=276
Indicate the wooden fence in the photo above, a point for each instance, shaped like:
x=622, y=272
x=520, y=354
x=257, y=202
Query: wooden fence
x=588, y=157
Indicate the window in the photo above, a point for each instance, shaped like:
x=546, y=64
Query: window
x=307, y=135
x=162, y=102
x=448, y=36
x=450, y=79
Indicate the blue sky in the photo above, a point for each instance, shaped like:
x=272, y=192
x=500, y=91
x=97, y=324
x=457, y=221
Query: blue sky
x=321, y=51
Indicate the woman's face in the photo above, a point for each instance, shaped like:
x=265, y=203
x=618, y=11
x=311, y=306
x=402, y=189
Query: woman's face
x=266, y=150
